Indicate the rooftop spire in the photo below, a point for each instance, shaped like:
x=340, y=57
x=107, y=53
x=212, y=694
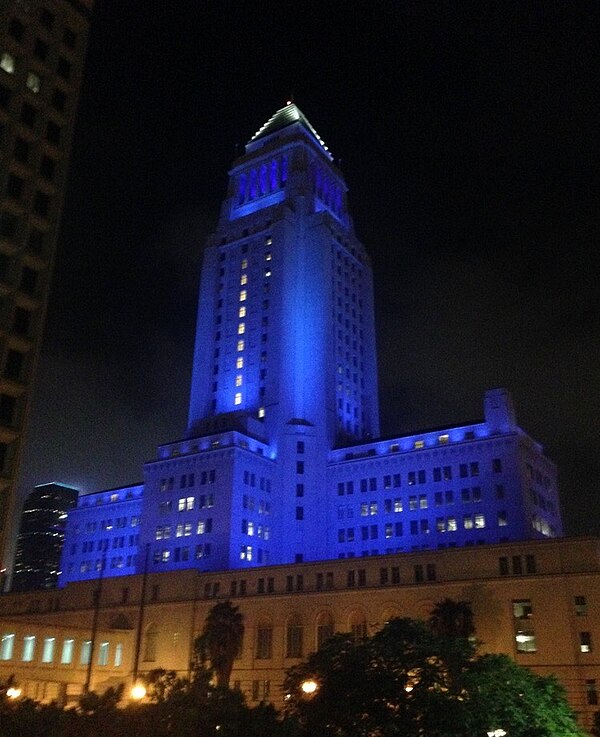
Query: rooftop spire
x=285, y=116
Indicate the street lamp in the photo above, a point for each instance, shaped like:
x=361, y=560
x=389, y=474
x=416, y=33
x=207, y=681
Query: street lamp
x=13, y=692
x=309, y=687
x=496, y=733
x=138, y=691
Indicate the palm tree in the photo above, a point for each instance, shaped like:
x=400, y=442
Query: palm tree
x=451, y=618
x=221, y=640
x=452, y=623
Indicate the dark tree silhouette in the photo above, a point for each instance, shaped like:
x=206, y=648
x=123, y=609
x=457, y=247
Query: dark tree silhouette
x=451, y=618
x=221, y=640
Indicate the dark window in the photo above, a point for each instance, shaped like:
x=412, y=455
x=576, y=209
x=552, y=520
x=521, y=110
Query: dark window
x=300, y=446
x=28, y=114
x=41, y=203
x=4, y=96
x=22, y=321
x=14, y=364
x=517, y=564
x=40, y=49
x=21, y=152
x=503, y=561
x=47, y=167
x=28, y=280
x=16, y=29
x=8, y=224
x=14, y=186
x=69, y=38
x=46, y=18
x=300, y=513
x=53, y=133
x=299, y=466
x=59, y=100
x=530, y=564
x=7, y=409
x=419, y=573
x=35, y=242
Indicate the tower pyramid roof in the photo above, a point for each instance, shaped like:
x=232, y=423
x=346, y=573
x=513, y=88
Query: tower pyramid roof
x=285, y=116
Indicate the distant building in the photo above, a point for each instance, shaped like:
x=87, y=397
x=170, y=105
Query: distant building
x=42, y=50
x=41, y=536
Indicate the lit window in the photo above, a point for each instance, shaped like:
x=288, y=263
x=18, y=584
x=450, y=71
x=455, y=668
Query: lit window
x=240, y=345
x=479, y=521
x=443, y=439
x=243, y=279
x=525, y=640
x=239, y=380
x=165, y=555
x=7, y=62
x=67, y=652
x=451, y=524
x=419, y=444
x=118, y=654
x=33, y=83
x=241, y=328
x=238, y=398
x=103, y=653
x=261, y=412
x=244, y=263
x=243, y=295
x=267, y=272
x=585, y=642
x=7, y=646
x=48, y=650
x=84, y=655
x=251, y=528
x=239, y=362
x=242, y=312
x=468, y=522
x=268, y=256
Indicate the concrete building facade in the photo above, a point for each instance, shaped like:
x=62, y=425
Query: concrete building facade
x=42, y=51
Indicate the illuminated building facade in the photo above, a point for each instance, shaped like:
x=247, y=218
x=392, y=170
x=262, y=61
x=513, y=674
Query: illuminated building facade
x=42, y=49
x=281, y=461
x=41, y=536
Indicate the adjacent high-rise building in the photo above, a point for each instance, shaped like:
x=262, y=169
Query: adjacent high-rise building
x=281, y=461
x=42, y=49
x=41, y=536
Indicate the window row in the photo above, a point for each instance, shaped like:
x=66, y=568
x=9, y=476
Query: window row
x=189, y=480
x=50, y=650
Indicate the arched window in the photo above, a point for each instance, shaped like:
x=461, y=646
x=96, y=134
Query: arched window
x=358, y=625
x=324, y=628
x=151, y=643
x=293, y=647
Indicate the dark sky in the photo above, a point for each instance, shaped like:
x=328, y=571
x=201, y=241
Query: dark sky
x=468, y=136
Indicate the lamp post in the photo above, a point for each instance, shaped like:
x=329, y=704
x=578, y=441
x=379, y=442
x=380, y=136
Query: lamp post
x=136, y=687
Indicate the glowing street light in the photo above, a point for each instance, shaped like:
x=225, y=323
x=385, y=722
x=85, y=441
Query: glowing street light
x=496, y=733
x=13, y=692
x=138, y=691
x=309, y=687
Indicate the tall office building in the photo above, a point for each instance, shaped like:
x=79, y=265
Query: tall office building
x=281, y=460
x=41, y=536
x=42, y=49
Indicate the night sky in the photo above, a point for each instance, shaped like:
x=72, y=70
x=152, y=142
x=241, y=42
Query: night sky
x=468, y=136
